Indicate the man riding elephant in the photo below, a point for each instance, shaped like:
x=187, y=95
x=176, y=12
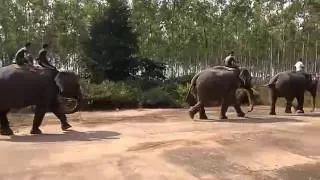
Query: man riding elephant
x=230, y=61
x=43, y=59
x=41, y=88
x=21, y=56
x=290, y=85
x=219, y=83
x=299, y=66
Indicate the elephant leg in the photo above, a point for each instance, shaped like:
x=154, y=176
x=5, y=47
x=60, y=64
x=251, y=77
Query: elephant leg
x=237, y=106
x=4, y=122
x=224, y=109
x=288, y=104
x=202, y=112
x=240, y=113
x=274, y=98
x=300, y=100
x=58, y=112
x=193, y=110
x=37, y=121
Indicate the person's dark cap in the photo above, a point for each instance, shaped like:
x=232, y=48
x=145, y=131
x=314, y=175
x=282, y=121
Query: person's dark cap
x=232, y=52
x=45, y=45
x=28, y=44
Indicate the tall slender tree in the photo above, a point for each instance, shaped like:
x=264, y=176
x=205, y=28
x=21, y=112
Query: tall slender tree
x=112, y=46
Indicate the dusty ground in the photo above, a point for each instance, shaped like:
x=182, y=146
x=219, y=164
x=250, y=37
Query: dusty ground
x=164, y=144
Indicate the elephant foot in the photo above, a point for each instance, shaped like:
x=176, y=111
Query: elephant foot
x=191, y=114
x=272, y=113
x=300, y=111
x=65, y=127
x=288, y=111
x=242, y=114
x=203, y=117
x=223, y=117
x=6, y=131
x=35, y=131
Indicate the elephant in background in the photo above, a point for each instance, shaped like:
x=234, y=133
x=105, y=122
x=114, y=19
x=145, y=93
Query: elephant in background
x=218, y=84
x=290, y=85
x=22, y=86
x=243, y=97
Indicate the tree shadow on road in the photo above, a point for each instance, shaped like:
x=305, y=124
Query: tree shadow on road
x=308, y=114
x=70, y=135
x=252, y=120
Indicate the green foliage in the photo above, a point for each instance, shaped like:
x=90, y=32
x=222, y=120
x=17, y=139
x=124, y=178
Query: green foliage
x=126, y=94
x=182, y=91
x=157, y=97
x=110, y=94
x=151, y=70
x=112, y=46
x=151, y=40
x=187, y=35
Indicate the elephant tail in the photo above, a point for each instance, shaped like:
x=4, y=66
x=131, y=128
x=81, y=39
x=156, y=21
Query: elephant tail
x=266, y=85
x=272, y=82
x=191, y=96
x=190, y=99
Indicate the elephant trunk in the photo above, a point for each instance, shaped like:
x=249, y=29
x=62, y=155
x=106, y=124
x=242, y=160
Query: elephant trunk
x=251, y=99
x=77, y=105
x=313, y=103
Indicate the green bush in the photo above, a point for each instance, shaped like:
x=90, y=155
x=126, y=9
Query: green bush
x=181, y=92
x=109, y=94
x=144, y=84
x=157, y=98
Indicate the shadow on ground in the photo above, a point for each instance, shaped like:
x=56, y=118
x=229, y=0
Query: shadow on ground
x=210, y=161
x=308, y=114
x=298, y=172
x=252, y=120
x=70, y=135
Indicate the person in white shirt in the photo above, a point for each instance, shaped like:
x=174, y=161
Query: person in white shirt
x=299, y=66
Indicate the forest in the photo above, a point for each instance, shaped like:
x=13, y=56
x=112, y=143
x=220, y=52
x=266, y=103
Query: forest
x=144, y=52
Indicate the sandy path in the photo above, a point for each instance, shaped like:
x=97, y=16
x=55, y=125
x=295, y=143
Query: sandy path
x=164, y=144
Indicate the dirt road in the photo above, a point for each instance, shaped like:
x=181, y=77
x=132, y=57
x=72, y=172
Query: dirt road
x=164, y=144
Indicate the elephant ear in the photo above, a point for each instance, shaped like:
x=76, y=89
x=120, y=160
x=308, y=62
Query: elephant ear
x=68, y=83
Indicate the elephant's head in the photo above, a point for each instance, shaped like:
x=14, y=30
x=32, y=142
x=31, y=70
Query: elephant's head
x=313, y=91
x=69, y=87
x=245, y=82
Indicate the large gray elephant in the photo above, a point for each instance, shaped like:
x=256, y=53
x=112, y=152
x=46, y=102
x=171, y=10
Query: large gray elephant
x=290, y=85
x=218, y=84
x=25, y=86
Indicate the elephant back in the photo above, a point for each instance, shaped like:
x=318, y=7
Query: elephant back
x=21, y=87
x=290, y=80
x=16, y=70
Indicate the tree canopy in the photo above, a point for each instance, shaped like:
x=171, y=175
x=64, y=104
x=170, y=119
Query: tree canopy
x=108, y=38
x=112, y=45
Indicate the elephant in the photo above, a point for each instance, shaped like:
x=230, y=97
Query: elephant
x=243, y=98
x=290, y=85
x=23, y=86
x=219, y=83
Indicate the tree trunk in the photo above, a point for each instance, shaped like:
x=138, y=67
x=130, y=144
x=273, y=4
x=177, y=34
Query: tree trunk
x=316, y=58
x=271, y=59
